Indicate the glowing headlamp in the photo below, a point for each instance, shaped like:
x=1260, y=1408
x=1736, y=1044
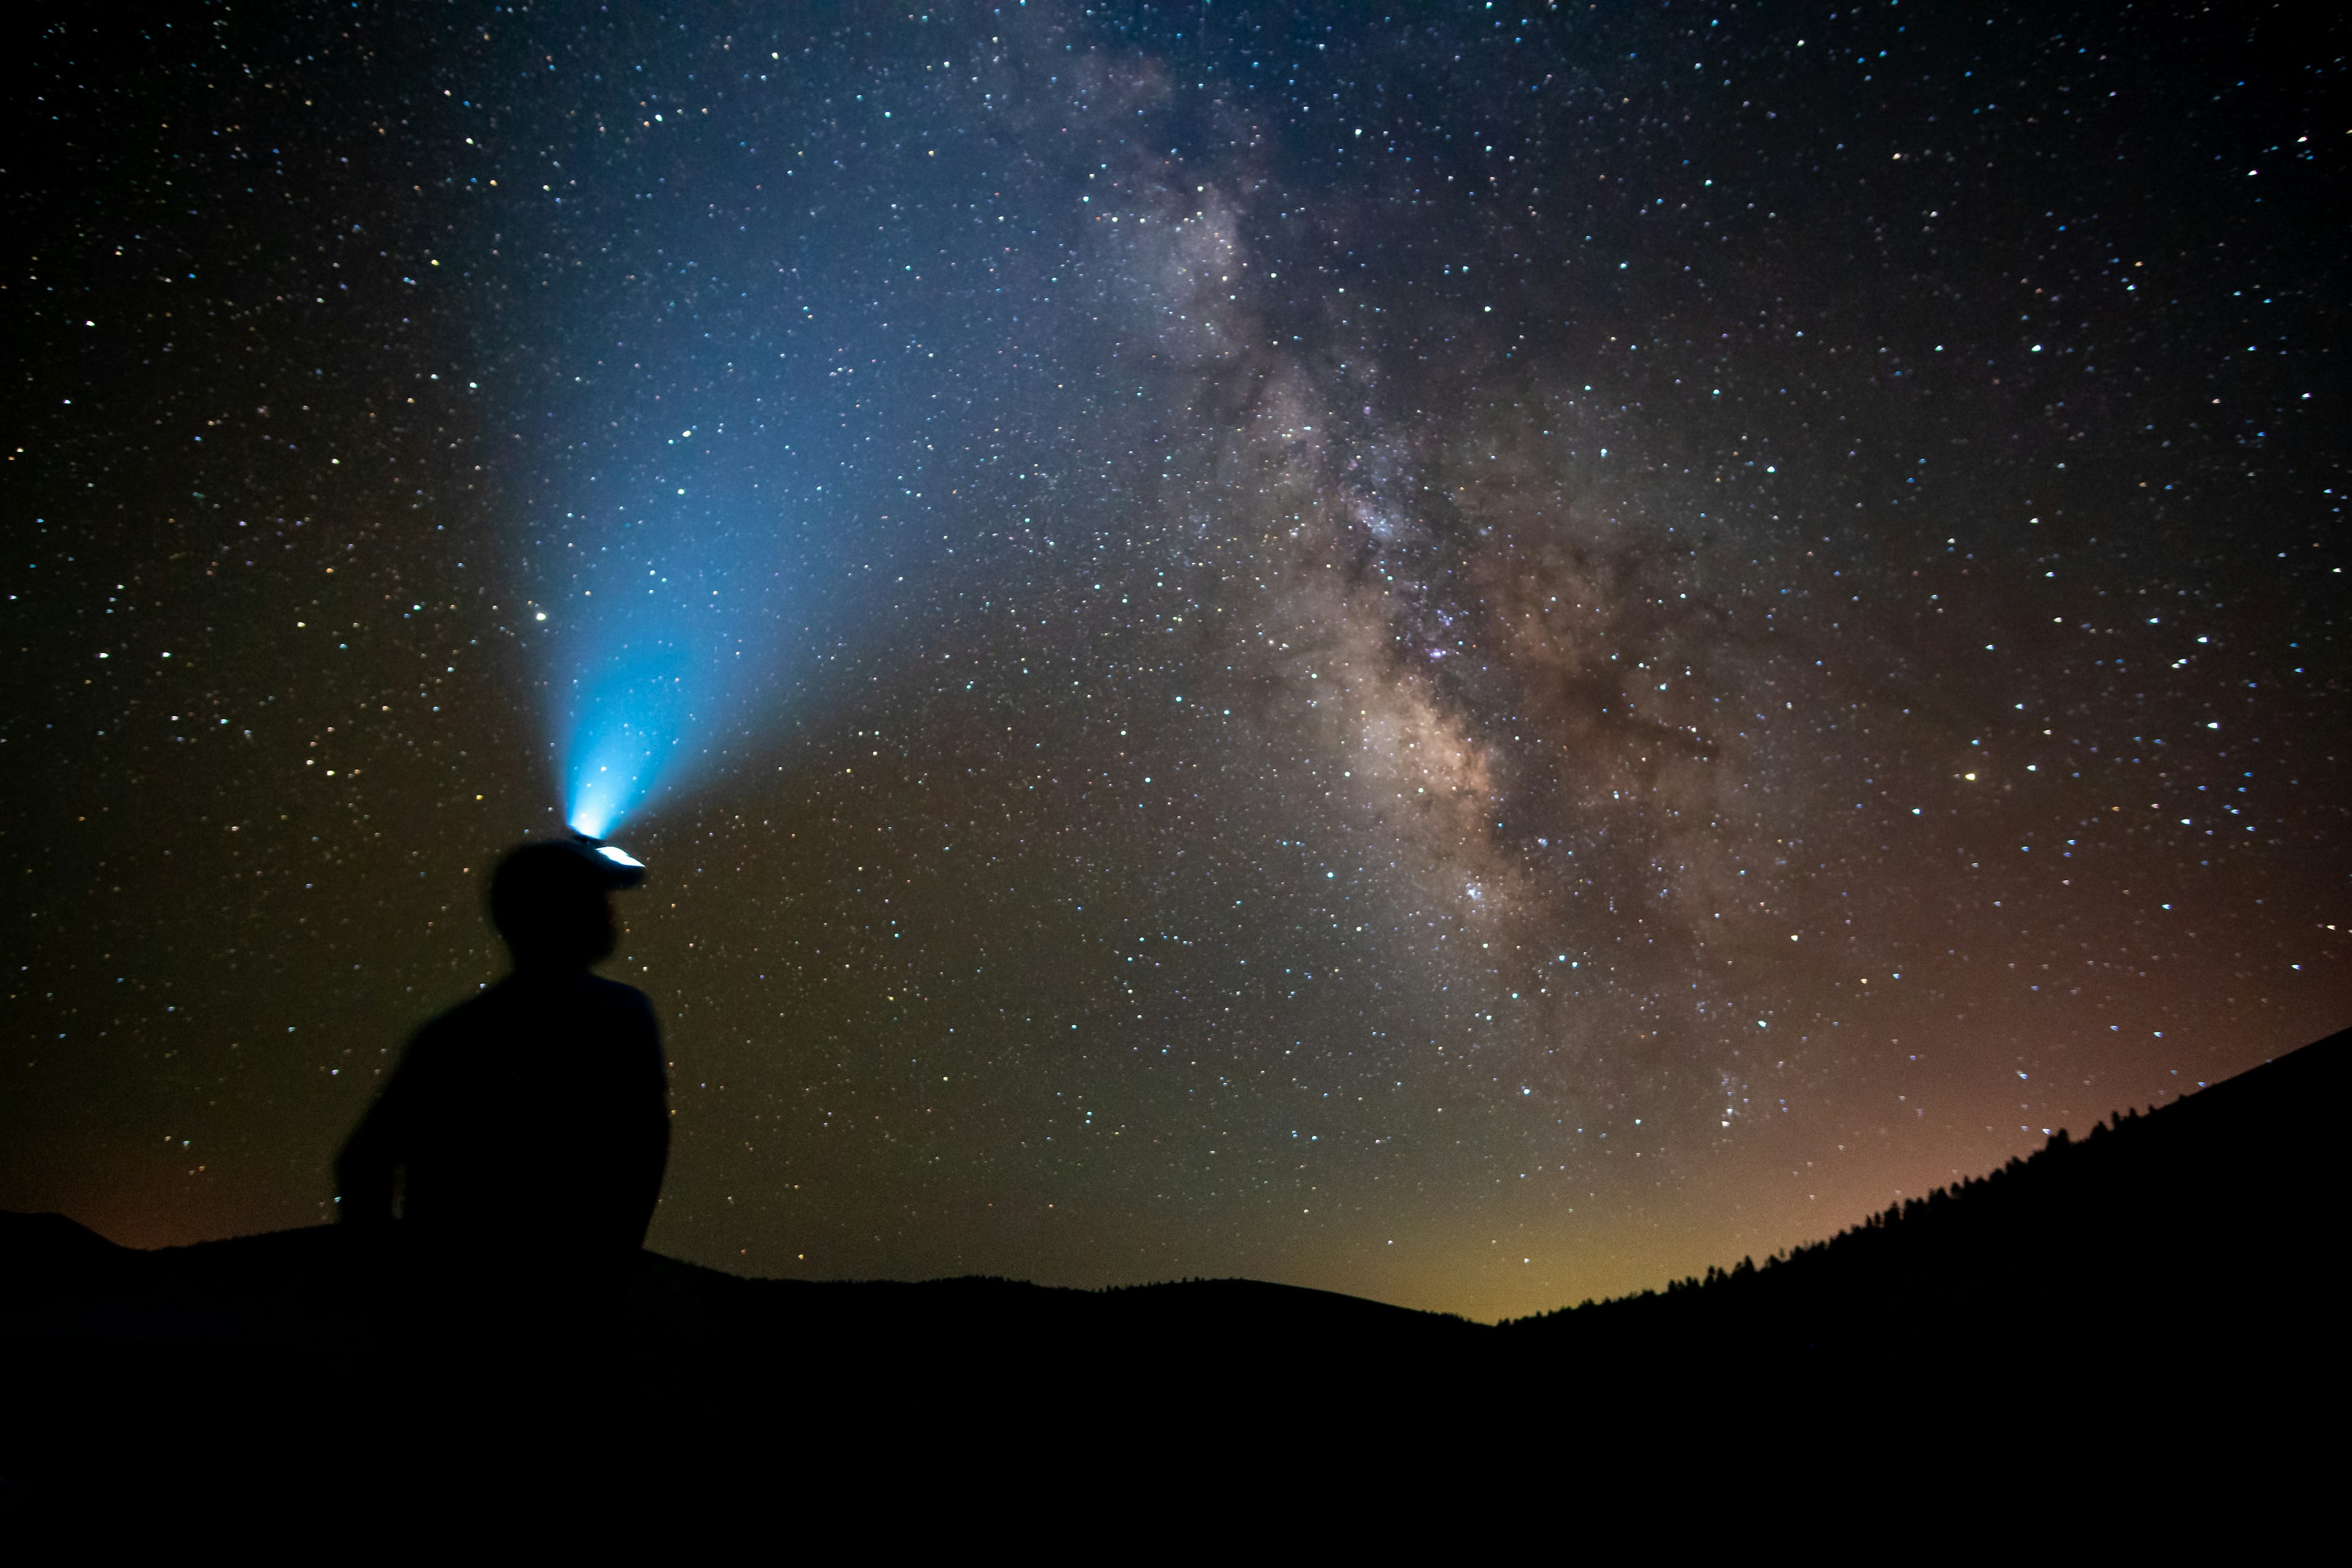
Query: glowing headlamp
x=615, y=866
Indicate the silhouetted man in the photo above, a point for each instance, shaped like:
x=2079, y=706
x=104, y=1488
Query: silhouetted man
x=529, y=1125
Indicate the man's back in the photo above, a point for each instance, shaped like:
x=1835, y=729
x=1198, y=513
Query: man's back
x=534, y=1116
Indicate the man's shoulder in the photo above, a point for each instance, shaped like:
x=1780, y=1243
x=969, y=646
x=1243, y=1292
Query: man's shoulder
x=461, y=1016
x=532, y=991
x=614, y=993
x=623, y=1009
x=497, y=1010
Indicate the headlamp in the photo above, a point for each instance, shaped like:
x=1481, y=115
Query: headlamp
x=615, y=866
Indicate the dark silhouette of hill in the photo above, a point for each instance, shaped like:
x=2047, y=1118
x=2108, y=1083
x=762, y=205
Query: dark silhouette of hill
x=334, y=1288
x=2176, y=1260
x=2202, y=1228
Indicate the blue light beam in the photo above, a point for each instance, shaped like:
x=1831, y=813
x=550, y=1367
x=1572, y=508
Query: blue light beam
x=672, y=632
x=624, y=727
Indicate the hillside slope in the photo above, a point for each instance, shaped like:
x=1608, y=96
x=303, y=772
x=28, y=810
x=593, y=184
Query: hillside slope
x=2157, y=1238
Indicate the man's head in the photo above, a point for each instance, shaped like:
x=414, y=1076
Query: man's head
x=551, y=901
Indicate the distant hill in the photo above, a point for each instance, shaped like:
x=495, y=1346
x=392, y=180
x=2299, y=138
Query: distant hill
x=2185, y=1249
x=327, y=1288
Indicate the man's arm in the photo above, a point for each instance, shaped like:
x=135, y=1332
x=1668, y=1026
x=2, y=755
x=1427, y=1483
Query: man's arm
x=368, y=1167
x=641, y=1151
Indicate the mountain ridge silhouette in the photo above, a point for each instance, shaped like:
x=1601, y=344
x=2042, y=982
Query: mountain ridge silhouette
x=2239, y=1142
x=2183, y=1251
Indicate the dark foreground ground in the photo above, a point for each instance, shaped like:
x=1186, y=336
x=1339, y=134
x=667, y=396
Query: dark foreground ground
x=2155, y=1299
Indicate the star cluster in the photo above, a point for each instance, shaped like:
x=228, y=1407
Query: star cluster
x=1475, y=655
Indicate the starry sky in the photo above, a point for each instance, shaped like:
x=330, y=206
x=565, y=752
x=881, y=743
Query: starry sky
x=1473, y=654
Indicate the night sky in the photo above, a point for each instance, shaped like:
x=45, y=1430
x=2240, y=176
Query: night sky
x=1477, y=656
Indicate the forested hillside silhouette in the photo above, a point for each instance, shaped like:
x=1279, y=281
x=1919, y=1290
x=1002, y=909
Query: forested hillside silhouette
x=2162, y=1233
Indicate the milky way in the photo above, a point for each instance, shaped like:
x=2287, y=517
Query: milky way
x=1475, y=656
